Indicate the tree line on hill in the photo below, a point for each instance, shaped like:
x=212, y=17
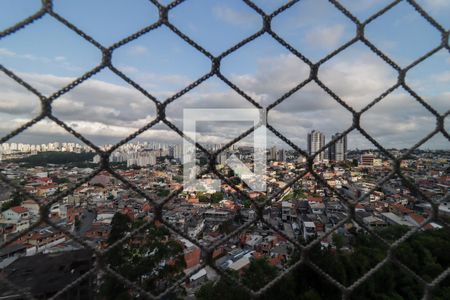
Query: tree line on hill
x=57, y=158
x=426, y=253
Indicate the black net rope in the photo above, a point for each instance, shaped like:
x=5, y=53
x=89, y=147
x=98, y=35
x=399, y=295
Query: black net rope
x=164, y=20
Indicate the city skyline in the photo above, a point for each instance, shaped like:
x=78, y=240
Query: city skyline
x=207, y=145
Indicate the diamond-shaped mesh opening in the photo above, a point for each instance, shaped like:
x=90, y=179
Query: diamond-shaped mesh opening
x=111, y=17
x=50, y=46
x=357, y=75
x=13, y=14
x=411, y=32
x=119, y=110
x=310, y=108
x=271, y=5
x=413, y=113
x=161, y=49
x=210, y=28
x=25, y=108
x=364, y=8
x=432, y=85
x=212, y=93
x=314, y=28
x=437, y=10
x=264, y=69
x=171, y=18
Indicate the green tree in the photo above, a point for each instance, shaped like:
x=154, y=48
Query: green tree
x=163, y=193
x=60, y=180
x=203, y=198
x=77, y=223
x=258, y=274
x=298, y=193
x=216, y=197
x=311, y=295
x=120, y=224
x=54, y=157
x=255, y=277
x=235, y=180
x=222, y=289
x=338, y=240
x=246, y=202
x=227, y=226
x=16, y=199
x=178, y=179
x=149, y=257
x=425, y=253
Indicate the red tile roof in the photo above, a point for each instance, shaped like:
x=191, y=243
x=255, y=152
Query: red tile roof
x=19, y=209
x=314, y=199
x=419, y=220
x=275, y=260
x=401, y=208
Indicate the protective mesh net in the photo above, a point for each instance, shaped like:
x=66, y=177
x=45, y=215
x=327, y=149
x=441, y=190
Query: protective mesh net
x=164, y=21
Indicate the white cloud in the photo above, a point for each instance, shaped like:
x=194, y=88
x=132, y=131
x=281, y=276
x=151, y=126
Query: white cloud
x=325, y=37
x=60, y=61
x=363, y=5
x=137, y=50
x=442, y=77
x=234, y=17
x=437, y=4
x=128, y=69
x=273, y=77
x=107, y=112
x=6, y=52
x=15, y=99
x=31, y=57
x=60, y=58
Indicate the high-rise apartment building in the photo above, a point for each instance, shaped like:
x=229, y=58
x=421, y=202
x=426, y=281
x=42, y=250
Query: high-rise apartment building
x=273, y=153
x=178, y=152
x=142, y=158
x=281, y=155
x=338, y=150
x=316, y=140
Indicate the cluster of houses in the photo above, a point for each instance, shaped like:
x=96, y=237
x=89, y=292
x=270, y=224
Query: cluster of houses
x=300, y=211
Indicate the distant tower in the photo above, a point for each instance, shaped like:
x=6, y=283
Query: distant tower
x=337, y=151
x=178, y=152
x=222, y=157
x=281, y=155
x=273, y=153
x=316, y=140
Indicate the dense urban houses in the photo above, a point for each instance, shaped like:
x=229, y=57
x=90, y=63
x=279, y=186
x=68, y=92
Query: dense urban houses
x=302, y=211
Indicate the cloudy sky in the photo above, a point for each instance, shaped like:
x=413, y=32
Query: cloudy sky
x=106, y=109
